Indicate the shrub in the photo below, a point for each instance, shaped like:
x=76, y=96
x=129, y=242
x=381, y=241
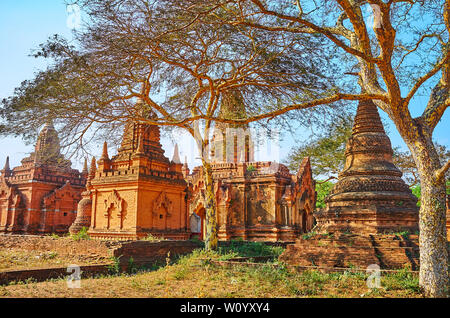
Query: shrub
x=81, y=235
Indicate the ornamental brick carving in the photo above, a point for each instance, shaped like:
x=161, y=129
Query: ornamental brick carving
x=163, y=201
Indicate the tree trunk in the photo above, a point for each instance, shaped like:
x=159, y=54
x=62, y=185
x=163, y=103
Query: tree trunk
x=433, y=277
x=211, y=241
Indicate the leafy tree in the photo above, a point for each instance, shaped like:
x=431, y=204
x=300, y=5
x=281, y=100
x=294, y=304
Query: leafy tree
x=417, y=191
x=405, y=162
x=323, y=190
x=398, y=56
x=326, y=150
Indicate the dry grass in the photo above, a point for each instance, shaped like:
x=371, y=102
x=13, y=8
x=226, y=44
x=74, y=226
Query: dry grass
x=18, y=259
x=188, y=277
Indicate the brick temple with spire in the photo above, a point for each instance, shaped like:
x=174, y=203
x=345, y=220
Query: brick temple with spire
x=136, y=193
x=256, y=201
x=42, y=194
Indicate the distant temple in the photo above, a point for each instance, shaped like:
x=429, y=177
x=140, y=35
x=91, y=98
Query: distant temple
x=256, y=201
x=136, y=193
x=41, y=195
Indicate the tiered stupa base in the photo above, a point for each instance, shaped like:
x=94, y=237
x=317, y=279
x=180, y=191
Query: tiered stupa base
x=370, y=214
x=340, y=250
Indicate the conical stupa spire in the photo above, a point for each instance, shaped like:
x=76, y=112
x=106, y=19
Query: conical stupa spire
x=7, y=167
x=367, y=118
x=93, y=168
x=47, y=149
x=85, y=167
x=176, y=155
x=105, y=155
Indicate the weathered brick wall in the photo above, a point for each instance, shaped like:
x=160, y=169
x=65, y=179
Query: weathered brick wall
x=389, y=252
x=44, y=274
x=145, y=252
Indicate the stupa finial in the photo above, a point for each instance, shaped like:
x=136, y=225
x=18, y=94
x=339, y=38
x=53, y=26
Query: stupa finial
x=7, y=167
x=105, y=155
x=176, y=155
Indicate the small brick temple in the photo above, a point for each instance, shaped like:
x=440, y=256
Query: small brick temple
x=256, y=201
x=137, y=192
x=42, y=194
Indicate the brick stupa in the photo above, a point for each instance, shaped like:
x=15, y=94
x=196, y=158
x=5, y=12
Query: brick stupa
x=371, y=216
x=370, y=196
x=137, y=192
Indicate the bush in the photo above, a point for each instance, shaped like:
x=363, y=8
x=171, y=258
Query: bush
x=81, y=235
x=323, y=190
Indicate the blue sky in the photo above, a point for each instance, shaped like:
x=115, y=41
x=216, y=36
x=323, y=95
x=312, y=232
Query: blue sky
x=24, y=24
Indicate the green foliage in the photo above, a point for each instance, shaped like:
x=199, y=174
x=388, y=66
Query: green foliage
x=197, y=241
x=405, y=162
x=81, y=235
x=323, y=190
x=309, y=235
x=114, y=268
x=416, y=190
x=326, y=151
x=251, y=168
x=151, y=238
x=249, y=249
x=131, y=268
x=401, y=279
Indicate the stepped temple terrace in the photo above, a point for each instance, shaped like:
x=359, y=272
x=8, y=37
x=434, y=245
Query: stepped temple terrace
x=369, y=202
x=41, y=195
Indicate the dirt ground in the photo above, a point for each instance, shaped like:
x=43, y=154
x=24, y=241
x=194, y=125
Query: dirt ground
x=31, y=252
